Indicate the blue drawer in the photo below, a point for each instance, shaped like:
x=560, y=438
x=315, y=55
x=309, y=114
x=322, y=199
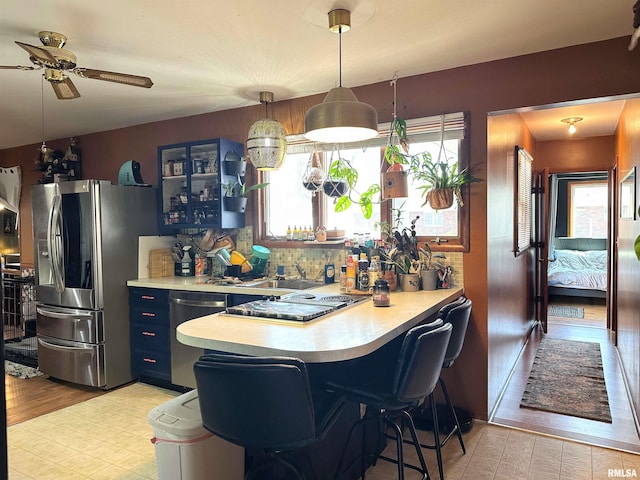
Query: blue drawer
x=152, y=364
x=150, y=337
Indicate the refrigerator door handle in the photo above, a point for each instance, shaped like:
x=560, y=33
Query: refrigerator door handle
x=55, y=313
x=62, y=348
x=54, y=240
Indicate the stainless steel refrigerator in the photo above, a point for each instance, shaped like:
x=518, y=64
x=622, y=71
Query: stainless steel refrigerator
x=86, y=247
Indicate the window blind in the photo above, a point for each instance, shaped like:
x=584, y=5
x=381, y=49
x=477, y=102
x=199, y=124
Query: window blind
x=426, y=129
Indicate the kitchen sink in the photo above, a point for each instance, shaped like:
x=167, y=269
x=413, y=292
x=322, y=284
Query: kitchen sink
x=289, y=284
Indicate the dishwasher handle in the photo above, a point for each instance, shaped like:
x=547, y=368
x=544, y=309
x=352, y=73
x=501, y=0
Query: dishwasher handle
x=218, y=301
x=199, y=303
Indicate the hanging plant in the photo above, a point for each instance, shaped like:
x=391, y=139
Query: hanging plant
x=342, y=170
x=313, y=178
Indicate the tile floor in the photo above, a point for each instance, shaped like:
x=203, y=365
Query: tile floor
x=108, y=437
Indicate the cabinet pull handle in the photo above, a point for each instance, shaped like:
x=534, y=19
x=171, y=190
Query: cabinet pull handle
x=147, y=297
x=149, y=334
x=149, y=360
x=148, y=314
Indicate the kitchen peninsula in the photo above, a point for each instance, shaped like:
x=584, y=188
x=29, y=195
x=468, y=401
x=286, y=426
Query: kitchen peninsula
x=346, y=334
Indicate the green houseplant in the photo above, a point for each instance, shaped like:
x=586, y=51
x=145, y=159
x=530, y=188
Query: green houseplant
x=235, y=192
x=441, y=181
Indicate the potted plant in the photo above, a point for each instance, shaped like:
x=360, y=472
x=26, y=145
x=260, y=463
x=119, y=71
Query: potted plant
x=394, y=180
x=441, y=181
x=235, y=192
x=402, y=253
x=341, y=183
x=428, y=268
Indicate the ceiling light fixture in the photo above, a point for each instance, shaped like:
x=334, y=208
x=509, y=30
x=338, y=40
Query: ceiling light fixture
x=340, y=118
x=267, y=140
x=572, y=123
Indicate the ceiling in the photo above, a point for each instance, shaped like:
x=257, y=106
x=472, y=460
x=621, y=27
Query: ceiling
x=212, y=55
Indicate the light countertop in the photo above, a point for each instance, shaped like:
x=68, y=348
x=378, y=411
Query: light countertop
x=349, y=333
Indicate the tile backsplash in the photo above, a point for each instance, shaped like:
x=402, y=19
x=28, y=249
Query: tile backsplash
x=313, y=260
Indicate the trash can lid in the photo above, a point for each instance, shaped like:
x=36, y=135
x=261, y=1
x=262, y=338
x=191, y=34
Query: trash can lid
x=179, y=417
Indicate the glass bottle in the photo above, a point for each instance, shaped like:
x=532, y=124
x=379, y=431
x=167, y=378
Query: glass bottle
x=381, y=293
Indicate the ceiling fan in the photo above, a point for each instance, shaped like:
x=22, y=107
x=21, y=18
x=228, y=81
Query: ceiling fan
x=58, y=61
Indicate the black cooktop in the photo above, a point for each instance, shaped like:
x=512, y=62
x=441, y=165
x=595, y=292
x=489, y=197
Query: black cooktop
x=300, y=307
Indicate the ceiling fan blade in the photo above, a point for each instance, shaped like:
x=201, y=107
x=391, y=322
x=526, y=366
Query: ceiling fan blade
x=65, y=89
x=17, y=67
x=40, y=55
x=123, y=78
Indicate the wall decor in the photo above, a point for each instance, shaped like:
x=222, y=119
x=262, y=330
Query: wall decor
x=628, y=195
x=522, y=212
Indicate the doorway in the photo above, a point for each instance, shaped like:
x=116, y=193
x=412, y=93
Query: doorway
x=589, y=325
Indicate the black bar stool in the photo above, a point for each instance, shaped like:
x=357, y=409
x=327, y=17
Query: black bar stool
x=264, y=403
x=416, y=373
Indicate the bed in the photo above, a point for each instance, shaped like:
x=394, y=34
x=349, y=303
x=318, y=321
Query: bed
x=579, y=268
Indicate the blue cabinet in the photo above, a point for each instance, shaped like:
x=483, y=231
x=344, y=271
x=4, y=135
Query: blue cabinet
x=150, y=335
x=191, y=179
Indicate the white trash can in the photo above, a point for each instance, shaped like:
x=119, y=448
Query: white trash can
x=185, y=450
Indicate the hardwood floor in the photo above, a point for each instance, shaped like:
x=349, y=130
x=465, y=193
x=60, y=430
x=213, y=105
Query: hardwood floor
x=33, y=397
x=620, y=434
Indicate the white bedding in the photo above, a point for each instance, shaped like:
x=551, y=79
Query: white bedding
x=579, y=269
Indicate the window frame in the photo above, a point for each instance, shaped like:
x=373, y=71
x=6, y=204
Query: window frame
x=461, y=243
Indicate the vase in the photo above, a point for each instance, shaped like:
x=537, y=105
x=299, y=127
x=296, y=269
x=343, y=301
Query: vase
x=429, y=279
x=335, y=188
x=440, y=198
x=409, y=282
x=235, y=204
x=234, y=165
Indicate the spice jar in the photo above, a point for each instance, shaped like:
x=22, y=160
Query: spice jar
x=381, y=293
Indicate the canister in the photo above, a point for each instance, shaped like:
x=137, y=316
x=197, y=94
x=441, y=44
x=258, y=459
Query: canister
x=381, y=293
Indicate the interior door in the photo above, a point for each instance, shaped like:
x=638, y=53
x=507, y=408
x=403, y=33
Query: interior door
x=541, y=242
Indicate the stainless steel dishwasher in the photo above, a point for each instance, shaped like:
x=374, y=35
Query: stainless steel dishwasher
x=185, y=306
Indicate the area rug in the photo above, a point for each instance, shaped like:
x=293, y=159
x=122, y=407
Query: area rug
x=565, y=311
x=21, y=371
x=567, y=378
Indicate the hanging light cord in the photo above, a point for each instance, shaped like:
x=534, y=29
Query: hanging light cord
x=340, y=54
x=43, y=147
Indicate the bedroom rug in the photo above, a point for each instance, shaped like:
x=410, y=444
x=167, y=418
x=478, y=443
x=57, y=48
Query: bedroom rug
x=565, y=311
x=567, y=378
x=21, y=371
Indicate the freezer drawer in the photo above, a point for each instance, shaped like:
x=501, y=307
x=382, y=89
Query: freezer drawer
x=70, y=324
x=75, y=362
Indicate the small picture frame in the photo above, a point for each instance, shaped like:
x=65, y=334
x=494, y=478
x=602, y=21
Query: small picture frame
x=8, y=224
x=627, y=195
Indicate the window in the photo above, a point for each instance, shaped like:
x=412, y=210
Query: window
x=523, y=218
x=287, y=203
x=588, y=203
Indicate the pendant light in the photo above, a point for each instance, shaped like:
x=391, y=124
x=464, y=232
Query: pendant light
x=572, y=123
x=267, y=140
x=340, y=118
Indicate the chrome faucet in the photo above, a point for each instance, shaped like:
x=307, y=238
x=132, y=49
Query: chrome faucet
x=301, y=271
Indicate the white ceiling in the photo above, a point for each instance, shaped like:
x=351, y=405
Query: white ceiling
x=211, y=55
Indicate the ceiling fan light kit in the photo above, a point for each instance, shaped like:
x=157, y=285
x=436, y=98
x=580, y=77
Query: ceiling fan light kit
x=340, y=118
x=57, y=61
x=267, y=140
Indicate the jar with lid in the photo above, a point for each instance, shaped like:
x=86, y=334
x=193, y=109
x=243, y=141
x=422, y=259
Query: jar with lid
x=381, y=293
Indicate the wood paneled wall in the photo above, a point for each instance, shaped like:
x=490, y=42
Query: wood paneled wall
x=628, y=266
x=594, y=70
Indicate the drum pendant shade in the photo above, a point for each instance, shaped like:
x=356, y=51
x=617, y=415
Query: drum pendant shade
x=340, y=118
